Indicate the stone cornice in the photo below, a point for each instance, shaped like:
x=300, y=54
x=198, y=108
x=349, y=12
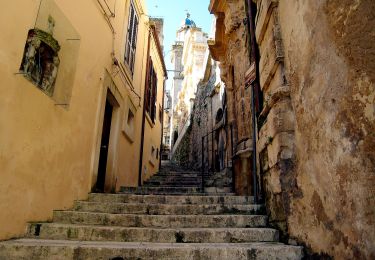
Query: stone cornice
x=218, y=47
x=266, y=7
x=158, y=47
x=216, y=6
x=201, y=47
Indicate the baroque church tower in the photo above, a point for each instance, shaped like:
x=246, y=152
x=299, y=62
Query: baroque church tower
x=187, y=59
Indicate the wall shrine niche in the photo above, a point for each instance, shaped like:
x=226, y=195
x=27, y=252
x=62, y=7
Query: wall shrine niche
x=40, y=60
x=51, y=53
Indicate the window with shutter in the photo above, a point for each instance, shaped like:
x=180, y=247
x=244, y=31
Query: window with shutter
x=154, y=89
x=131, y=40
x=148, y=86
x=151, y=91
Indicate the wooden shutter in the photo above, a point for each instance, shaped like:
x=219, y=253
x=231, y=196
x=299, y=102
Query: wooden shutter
x=135, y=32
x=131, y=42
x=129, y=34
x=151, y=91
x=154, y=93
x=148, y=86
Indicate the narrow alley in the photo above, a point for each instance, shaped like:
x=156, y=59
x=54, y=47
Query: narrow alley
x=200, y=129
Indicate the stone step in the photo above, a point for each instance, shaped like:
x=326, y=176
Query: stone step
x=213, y=182
x=173, y=183
x=160, y=190
x=177, y=188
x=180, y=171
x=182, y=182
x=175, y=177
x=171, y=199
x=187, y=174
x=162, y=221
x=184, y=175
x=178, y=179
x=168, y=235
x=88, y=250
x=167, y=209
x=179, y=191
x=217, y=189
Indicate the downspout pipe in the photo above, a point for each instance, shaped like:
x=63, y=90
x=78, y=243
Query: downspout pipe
x=144, y=114
x=250, y=14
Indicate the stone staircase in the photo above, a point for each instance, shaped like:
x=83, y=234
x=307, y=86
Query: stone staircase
x=173, y=179
x=164, y=222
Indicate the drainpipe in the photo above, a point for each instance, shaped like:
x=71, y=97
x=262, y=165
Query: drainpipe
x=144, y=114
x=250, y=14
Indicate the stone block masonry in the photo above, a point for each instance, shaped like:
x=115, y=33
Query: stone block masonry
x=317, y=77
x=315, y=129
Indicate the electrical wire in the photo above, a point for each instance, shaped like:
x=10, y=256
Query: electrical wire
x=121, y=70
x=109, y=9
x=106, y=16
x=123, y=78
x=40, y=4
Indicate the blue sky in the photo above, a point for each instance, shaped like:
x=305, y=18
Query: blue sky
x=173, y=12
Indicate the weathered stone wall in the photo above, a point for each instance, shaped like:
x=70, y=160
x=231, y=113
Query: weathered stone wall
x=231, y=49
x=182, y=152
x=201, y=123
x=318, y=144
x=236, y=64
x=276, y=142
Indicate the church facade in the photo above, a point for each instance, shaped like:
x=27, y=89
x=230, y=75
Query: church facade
x=187, y=58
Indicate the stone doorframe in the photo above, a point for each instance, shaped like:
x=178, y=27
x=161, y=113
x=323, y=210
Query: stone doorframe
x=110, y=90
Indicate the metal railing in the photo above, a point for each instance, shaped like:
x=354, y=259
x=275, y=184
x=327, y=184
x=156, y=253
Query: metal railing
x=217, y=152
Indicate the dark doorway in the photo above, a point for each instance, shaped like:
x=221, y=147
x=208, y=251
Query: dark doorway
x=175, y=137
x=104, y=146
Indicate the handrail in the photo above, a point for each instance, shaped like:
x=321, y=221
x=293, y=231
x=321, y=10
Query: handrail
x=217, y=159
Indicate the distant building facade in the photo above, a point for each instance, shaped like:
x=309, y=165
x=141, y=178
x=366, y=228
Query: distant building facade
x=166, y=148
x=187, y=58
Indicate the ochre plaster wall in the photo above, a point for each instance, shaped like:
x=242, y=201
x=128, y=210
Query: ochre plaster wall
x=129, y=150
x=49, y=154
x=153, y=129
